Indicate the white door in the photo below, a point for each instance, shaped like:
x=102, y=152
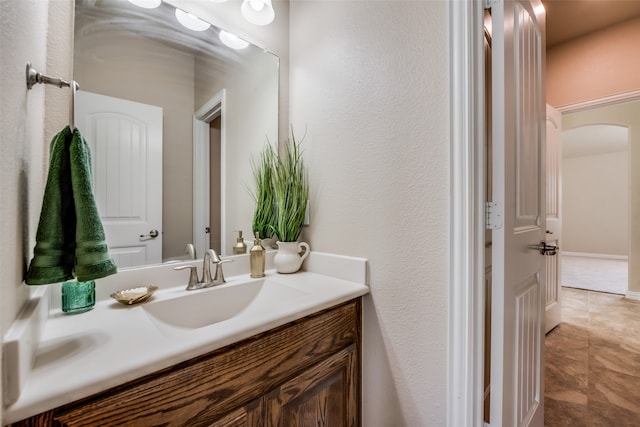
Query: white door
x=554, y=223
x=125, y=139
x=518, y=269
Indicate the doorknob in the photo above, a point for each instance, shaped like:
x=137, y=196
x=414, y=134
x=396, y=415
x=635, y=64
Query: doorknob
x=545, y=249
x=153, y=234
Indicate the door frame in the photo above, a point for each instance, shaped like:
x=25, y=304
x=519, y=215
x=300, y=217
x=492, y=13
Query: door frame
x=212, y=109
x=466, y=293
x=606, y=101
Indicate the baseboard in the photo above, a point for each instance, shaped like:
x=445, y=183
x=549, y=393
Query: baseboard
x=633, y=295
x=591, y=255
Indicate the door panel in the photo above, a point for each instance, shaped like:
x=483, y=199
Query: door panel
x=125, y=139
x=324, y=395
x=519, y=271
x=554, y=222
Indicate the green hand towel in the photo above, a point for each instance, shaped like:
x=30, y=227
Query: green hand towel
x=92, y=256
x=70, y=238
x=55, y=239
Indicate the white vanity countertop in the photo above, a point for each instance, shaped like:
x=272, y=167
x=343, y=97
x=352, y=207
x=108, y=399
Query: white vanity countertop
x=83, y=354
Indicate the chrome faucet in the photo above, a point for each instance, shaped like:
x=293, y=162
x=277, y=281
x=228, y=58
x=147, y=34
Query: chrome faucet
x=210, y=256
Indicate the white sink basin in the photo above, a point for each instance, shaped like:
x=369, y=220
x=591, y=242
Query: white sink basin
x=204, y=307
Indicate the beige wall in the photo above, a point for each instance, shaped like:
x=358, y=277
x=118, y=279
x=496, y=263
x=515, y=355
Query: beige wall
x=370, y=82
x=595, y=204
x=621, y=114
x=595, y=66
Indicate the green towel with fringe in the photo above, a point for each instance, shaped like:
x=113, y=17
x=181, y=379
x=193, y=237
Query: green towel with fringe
x=70, y=240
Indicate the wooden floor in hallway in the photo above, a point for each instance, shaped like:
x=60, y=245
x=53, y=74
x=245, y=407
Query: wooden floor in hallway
x=592, y=375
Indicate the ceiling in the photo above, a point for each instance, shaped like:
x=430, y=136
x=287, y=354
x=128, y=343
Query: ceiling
x=568, y=19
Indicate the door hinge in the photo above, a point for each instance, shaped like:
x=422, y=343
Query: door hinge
x=492, y=216
x=488, y=3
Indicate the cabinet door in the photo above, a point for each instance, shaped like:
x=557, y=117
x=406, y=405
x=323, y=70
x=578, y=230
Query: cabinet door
x=324, y=395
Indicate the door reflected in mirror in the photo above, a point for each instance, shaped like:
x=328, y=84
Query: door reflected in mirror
x=192, y=194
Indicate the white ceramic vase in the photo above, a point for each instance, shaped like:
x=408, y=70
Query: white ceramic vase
x=290, y=255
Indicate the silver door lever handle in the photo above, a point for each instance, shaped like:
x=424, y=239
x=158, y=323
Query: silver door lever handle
x=153, y=234
x=545, y=249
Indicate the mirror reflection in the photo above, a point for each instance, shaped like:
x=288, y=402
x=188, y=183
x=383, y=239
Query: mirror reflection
x=172, y=117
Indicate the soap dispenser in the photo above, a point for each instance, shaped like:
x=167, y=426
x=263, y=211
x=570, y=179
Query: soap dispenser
x=257, y=256
x=240, y=247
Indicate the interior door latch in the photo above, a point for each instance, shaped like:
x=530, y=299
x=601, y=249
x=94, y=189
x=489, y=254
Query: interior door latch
x=545, y=249
x=152, y=234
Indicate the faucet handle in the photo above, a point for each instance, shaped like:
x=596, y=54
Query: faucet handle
x=194, y=283
x=215, y=258
x=218, y=278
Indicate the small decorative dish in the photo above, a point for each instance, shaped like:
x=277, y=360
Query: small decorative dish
x=135, y=295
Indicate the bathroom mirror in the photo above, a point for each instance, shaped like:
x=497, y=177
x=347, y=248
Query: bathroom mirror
x=213, y=107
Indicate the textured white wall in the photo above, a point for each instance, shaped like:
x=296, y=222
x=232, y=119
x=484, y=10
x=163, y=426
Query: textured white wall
x=595, y=204
x=369, y=83
x=23, y=141
x=23, y=32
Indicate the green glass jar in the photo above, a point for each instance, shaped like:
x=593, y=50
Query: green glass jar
x=78, y=297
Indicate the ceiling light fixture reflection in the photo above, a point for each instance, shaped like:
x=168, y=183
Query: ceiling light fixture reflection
x=190, y=21
x=147, y=4
x=233, y=41
x=258, y=12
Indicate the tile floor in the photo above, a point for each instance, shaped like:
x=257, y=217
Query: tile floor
x=592, y=373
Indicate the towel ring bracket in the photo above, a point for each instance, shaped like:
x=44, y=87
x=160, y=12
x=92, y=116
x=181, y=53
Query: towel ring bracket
x=34, y=77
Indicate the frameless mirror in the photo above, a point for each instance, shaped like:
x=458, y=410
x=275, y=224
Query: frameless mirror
x=172, y=117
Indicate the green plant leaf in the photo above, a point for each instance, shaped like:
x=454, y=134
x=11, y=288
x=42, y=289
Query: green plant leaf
x=291, y=187
x=264, y=216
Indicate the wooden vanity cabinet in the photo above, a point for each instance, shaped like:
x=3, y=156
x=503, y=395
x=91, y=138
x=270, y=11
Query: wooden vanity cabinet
x=305, y=373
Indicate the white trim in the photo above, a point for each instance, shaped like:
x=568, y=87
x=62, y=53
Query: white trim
x=633, y=295
x=201, y=171
x=590, y=255
x=466, y=314
x=599, y=102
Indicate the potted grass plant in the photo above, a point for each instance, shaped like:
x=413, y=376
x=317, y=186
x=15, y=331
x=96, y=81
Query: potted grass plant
x=291, y=188
x=264, y=216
